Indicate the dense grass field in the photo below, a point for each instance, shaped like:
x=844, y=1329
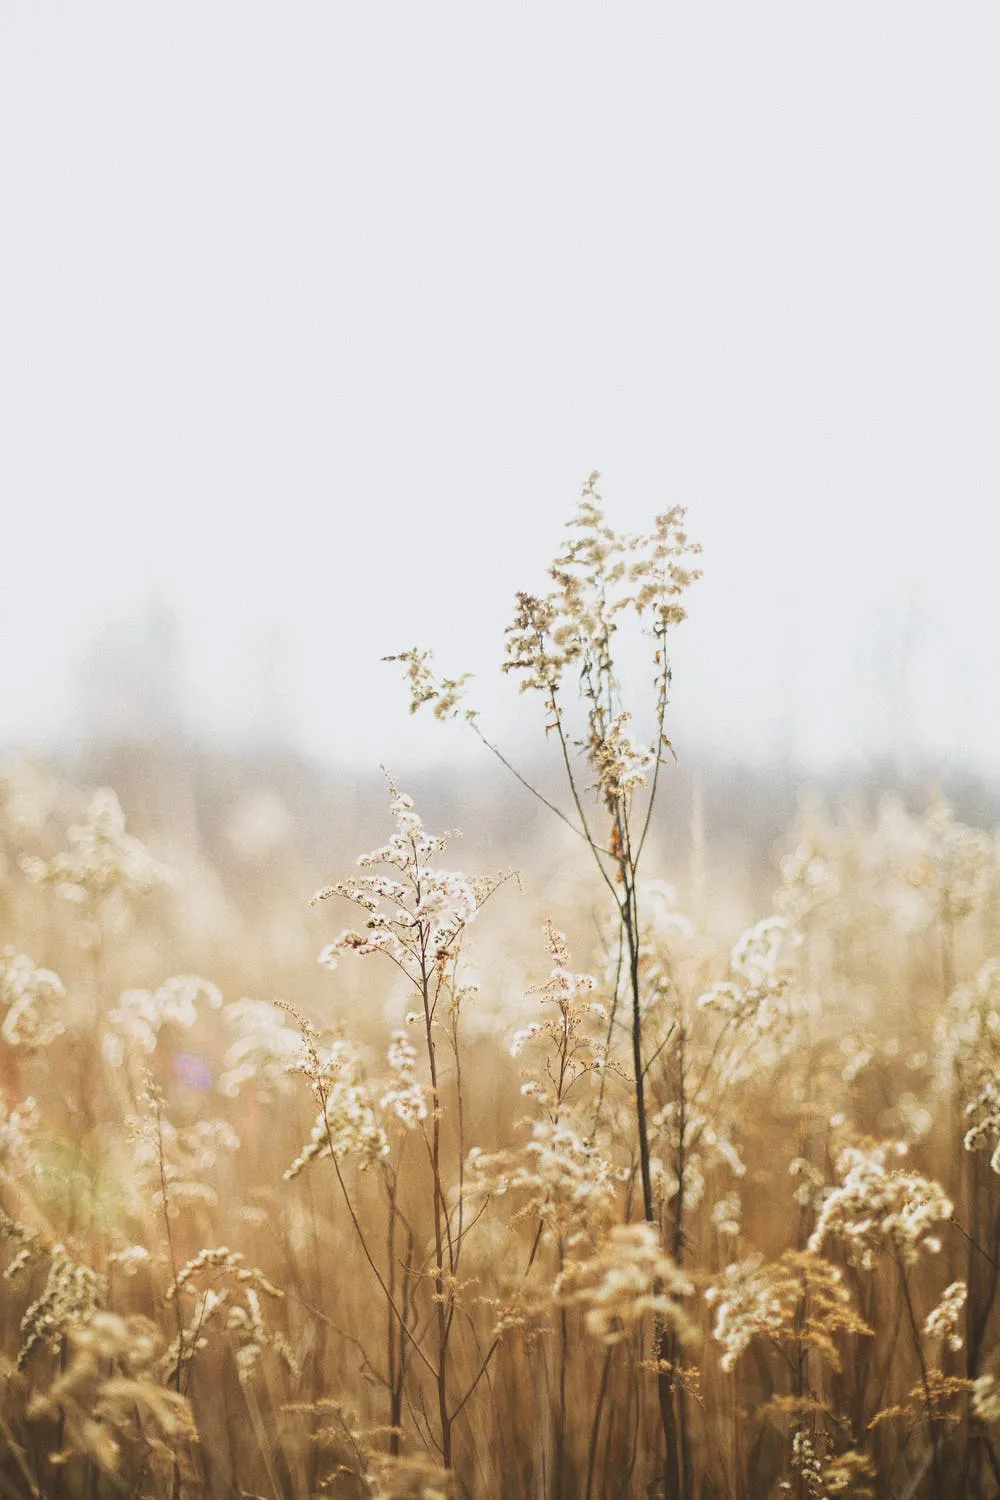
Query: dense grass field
x=552, y=1187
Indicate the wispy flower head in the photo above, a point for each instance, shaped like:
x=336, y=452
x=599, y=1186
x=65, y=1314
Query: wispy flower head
x=140, y=1015
x=622, y=763
x=442, y=695
x=944, y=1321
x=626, y=1280
x=986, y=1399
x=109, y=1400
x=750, y=1300
x=800, y=1297
x=404, y=1096
x=416, y=915
x=347, y=1124
x=598, y=576
x=575, y=1033
x=31, y=1002
x=72, y=1294
x=875, y=1207
x=263, y=1051
x=100, y=858
x=761, y=952
x=557, y=1176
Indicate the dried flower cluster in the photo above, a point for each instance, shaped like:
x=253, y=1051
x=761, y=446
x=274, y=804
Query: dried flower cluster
x=348, y=1122
x=31, y=1002
x=627, y=1280
x=101, y=858
x=875, y=1207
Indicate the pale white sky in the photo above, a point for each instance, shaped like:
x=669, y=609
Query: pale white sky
x=313, y=317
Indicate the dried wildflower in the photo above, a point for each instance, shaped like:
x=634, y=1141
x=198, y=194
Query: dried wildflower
x=753, y=1299
x=598, y=576
x=233, y=1305
x=31, y=1247
x=807, y=1459
x=72, y=1294
x=984, y=1111
x=442, y=694
x=622, y=765
x=109, y=1400
x=347, y=1124
x=416, y=916
x=627, y=1279
x=523, y=1035
x=811, y=1189
x=762, y=1005
x=939, y=1398
x=822, y=1475
x=251, y=1335
x=875, y=1207
x=848, y=1474
x=726, y=1213
x=19, y=1126
x=31, y=1002
x=172, y=1162
x=705, y=1146
x=131, y=1259
x=101, y=858
x=207, y=1307
x=858, y=1052
x=263, y=1052
x=574, y=1038
x=557, y=1176
x=986, y=1399
x=760, y=956
x=598, y=579
x=404, y=1096
x=140, y=1015
x=410, y=1478
x=943, y=1321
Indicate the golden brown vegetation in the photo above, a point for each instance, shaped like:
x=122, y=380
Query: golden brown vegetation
x=699, y=1220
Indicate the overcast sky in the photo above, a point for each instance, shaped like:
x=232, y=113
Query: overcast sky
x=314, y=316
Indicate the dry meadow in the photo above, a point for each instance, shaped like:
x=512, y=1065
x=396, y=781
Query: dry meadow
x=561, y=1180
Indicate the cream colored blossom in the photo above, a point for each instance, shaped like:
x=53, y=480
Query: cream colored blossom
x=626, y=1280
x=557, y=1176
x=72, y=1294
x=140, y=1015
x=622, y=764
x=750, y=1299
x=262, y=1053
x=415, y=916
x=875, y=1207
x=986, y=1399
x=404, y=1096
x=31, y=1002
x=347, y=1124
x=101, y=858
x=943, y=1321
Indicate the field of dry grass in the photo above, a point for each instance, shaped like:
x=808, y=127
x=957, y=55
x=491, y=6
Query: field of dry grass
x=553, y=1188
